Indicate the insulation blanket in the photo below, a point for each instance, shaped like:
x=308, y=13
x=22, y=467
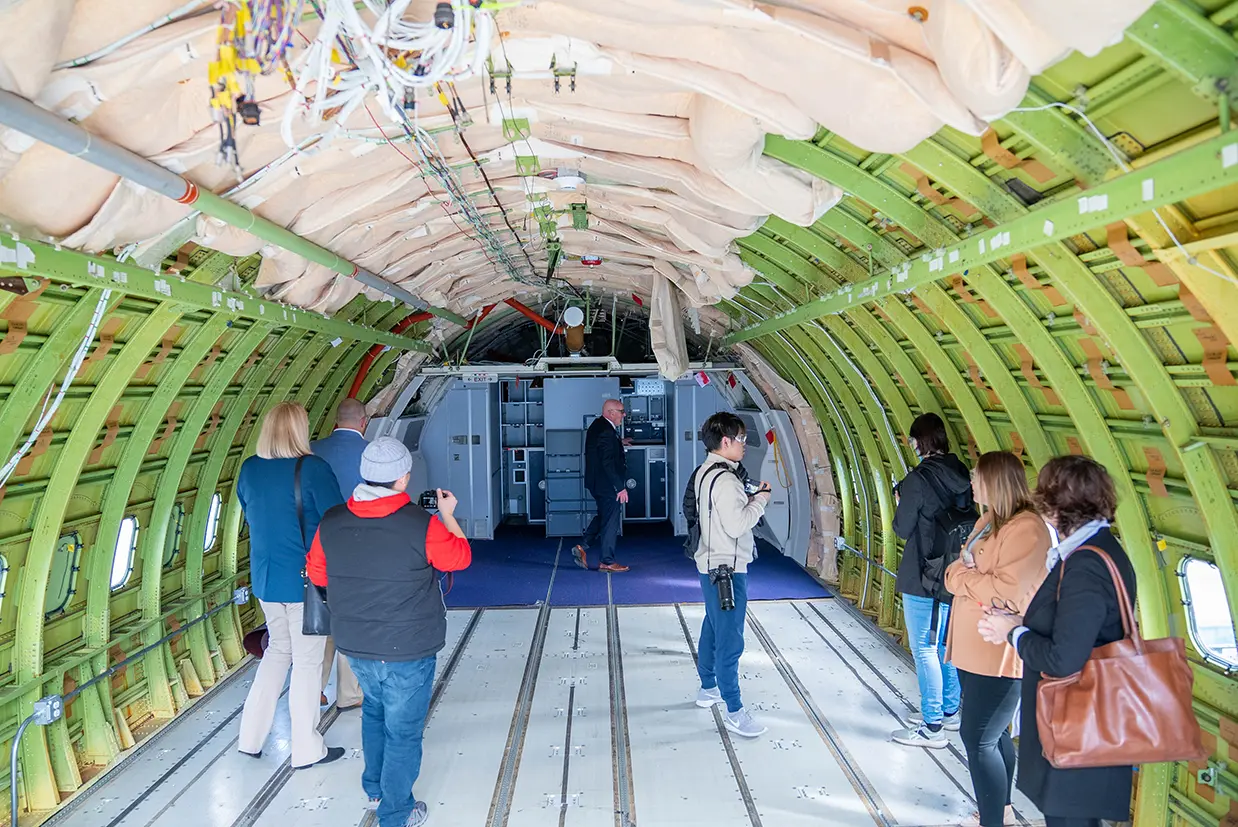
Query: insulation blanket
x=662, y=137
x=666, y=330
x=825, y=515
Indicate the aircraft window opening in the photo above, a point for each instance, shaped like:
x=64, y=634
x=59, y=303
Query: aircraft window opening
x=212, y=522
x=173, y=542
x=63, y=574
x=1207, y=612
x=122, y=557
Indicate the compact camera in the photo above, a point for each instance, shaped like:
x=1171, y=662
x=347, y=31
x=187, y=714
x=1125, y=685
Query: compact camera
x=751, y=487
x=428, y=500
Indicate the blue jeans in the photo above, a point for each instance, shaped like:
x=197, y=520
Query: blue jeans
x=393, y=714
x=939, y=681
x=722, y=641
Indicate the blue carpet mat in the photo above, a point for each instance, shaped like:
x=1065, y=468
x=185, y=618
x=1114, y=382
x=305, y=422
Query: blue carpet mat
x=517, y=568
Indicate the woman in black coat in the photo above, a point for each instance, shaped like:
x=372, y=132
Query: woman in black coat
x=1057, y=634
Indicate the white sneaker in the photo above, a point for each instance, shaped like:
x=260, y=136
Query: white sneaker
x=706, y=698
x=921, y=736
x=950, y=722
x=418, y=816
x=742, y=723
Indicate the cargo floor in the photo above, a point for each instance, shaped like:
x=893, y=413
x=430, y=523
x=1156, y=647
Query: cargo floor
x=584, y=717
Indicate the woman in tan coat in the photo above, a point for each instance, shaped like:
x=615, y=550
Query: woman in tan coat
x=1001, y=566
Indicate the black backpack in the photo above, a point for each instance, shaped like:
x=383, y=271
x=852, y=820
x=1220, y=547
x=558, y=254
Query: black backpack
x=690, y=513
x=951, y=528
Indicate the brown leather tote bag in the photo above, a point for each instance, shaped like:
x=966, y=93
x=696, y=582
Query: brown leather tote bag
x=1130, y=704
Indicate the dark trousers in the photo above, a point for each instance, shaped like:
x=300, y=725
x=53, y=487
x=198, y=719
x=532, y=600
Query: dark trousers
x=393, y=715
x=603, y=530
x=988, y=708
x=1059, y=821
x=722, y=641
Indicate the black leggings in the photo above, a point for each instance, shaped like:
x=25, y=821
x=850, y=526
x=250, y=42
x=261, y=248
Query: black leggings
x=988, y=709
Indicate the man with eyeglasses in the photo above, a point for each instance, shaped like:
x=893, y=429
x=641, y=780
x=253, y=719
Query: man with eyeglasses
x=605, y=477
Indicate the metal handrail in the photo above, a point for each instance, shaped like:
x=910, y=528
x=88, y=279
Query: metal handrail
x=841, y=544
x=49, y=709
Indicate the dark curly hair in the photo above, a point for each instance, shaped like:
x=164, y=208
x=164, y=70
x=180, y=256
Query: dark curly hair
x=1072, y=491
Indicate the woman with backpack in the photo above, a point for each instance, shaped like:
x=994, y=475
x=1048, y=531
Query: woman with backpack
x=1002, y=565
x=934, y=514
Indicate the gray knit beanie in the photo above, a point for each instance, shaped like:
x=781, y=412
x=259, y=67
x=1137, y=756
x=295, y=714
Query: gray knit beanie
x=385, y=460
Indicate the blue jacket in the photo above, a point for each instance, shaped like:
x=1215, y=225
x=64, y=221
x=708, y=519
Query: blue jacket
x=342, y=450
x=264, y=488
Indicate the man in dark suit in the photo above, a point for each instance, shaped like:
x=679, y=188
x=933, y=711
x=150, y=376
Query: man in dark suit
x=605, y=476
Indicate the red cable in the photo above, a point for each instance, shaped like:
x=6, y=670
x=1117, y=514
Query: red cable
x=367, y=361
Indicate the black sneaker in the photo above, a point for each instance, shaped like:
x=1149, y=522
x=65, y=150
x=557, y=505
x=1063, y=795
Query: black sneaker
x=333, y=754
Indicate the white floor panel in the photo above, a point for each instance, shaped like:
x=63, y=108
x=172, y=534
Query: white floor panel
x=793, y=776
x=917, y=791
x=802, y=660
x=331, y=795
x=891, y=677
x=680, y=768
x=572, y=690
x=211, y=789
x=465, y=738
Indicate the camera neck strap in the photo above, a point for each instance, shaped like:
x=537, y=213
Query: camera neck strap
x=709, y=504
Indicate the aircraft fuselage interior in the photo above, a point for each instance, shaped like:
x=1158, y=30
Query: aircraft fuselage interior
x=618, y=413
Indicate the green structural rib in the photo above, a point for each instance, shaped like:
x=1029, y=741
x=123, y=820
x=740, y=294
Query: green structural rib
x=1185, y=174
x=68, y=266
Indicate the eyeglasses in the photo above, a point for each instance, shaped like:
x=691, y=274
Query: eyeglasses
x=1006, y=606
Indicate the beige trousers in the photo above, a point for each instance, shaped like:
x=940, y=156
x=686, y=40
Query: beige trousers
x=347, y=690
x=287, y=647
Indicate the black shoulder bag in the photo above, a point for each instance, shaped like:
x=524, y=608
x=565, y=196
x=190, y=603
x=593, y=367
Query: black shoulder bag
x=315, y=617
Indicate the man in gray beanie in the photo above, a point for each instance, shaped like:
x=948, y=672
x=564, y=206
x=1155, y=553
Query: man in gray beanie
x=379, y=555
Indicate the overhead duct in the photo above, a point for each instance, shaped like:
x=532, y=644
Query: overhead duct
x=574, y=320
x=20, y=114
x=533, y=315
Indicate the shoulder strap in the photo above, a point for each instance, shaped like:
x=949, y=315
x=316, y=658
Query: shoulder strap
x=1119, y=586
x=941, y=495
x=296, y=493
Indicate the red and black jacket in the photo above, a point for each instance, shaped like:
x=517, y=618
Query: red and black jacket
x=380, y=561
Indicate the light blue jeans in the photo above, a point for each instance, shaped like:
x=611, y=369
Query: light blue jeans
x=393, y=715
x=939, y=681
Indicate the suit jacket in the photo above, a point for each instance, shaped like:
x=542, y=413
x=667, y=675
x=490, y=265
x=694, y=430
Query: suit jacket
x=1062, y=632
x=342, y=451
x=606, y=469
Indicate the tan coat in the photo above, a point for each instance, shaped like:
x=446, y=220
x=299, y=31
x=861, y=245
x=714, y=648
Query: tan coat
x=1008, y=566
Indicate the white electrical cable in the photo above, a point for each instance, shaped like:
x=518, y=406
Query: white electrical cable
x=1121, y=162
x=48, y=412
x=443, y=55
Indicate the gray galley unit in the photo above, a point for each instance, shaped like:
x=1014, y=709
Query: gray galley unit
x=460, y=445
x=571, y=404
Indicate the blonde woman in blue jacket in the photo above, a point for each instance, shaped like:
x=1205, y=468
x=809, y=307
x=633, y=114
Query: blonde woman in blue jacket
x=278, y=543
